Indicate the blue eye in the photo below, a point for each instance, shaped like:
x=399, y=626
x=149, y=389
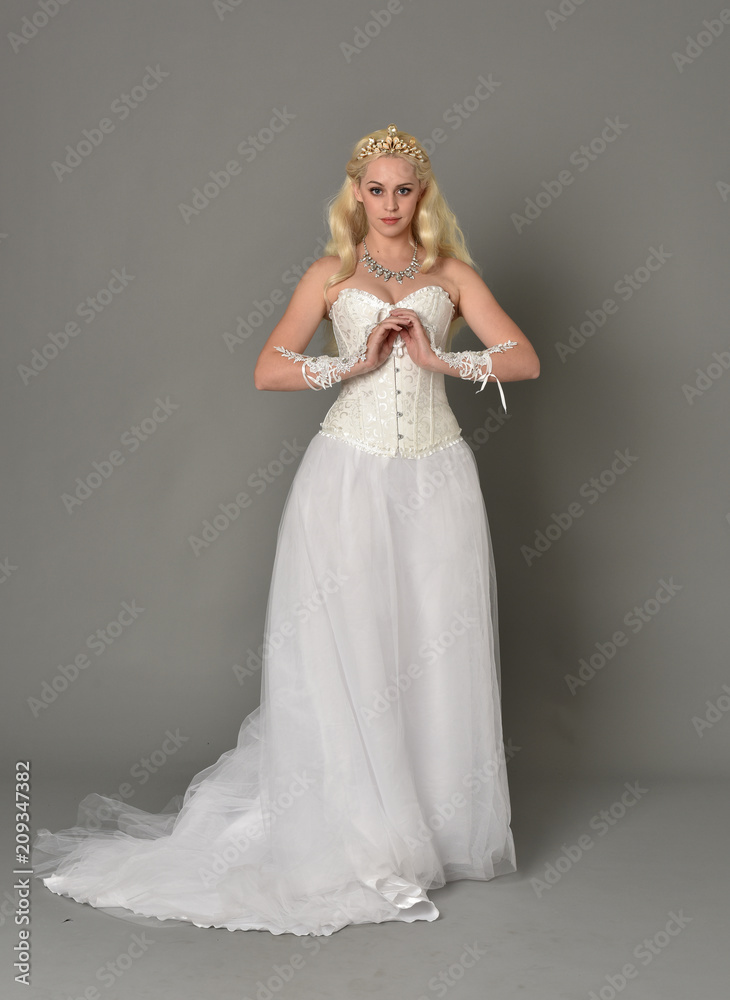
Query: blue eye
x=373, y=190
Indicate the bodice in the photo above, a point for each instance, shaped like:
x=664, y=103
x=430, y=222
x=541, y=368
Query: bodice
x=398, y=408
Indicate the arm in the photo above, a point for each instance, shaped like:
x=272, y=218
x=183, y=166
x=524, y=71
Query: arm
x=509, y=356
x=323, y=372
x=280, y=364
x=476, y=365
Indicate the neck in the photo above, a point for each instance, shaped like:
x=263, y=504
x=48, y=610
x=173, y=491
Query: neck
x=397, y=248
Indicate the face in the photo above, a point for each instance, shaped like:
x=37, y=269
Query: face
x=389, y=190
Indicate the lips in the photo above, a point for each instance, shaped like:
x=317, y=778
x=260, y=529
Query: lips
x=391, y=218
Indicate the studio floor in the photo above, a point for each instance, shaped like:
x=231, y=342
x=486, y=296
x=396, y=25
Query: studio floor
x=622, y=889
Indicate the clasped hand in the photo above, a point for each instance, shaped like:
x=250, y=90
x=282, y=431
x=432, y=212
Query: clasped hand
x=406, y=323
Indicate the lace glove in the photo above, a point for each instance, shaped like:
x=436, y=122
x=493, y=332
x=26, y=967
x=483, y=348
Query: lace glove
x=476, y=365
x=324, y=370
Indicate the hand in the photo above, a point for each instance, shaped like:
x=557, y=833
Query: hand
x=417, y=341
x=380, y=342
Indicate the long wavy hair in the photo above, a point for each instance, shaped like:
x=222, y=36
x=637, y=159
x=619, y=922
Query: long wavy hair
x=434, y=225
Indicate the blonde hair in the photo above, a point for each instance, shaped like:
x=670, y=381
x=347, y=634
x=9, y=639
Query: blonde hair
x=434, y=225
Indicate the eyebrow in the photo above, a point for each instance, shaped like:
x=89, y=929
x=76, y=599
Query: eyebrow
x=403, y=184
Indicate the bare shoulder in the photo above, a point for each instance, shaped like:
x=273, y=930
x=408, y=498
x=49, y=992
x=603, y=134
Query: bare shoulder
x=305, y=309
x=311, y=284
x=329, y=265
x=326, y=267
x=456, y=277
x=460, y=273
x=323, y=268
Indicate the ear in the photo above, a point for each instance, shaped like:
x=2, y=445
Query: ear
x=356, y=190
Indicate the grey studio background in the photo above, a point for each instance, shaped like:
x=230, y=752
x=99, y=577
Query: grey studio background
x=165, y=171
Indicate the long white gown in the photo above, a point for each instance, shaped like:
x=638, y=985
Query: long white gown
x=374, y=768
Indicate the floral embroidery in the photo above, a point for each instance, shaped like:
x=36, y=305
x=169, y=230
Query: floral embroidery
x=324, y=371
x=476, y=365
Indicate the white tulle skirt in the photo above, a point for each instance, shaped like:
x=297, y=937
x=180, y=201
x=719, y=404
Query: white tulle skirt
x=374, y=768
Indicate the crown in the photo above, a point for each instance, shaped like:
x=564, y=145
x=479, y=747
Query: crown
x=391, y=144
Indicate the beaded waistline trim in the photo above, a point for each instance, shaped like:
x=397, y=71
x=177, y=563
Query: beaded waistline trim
x=355, y=443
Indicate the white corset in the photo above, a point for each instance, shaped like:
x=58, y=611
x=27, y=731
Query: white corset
x=398, y=408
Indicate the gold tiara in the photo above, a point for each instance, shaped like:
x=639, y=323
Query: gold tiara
x=391, y=144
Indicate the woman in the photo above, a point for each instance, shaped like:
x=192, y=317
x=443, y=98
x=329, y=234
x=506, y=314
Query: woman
x=374, y=767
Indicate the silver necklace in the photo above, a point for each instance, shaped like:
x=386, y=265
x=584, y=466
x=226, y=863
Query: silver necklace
x=384, y=272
